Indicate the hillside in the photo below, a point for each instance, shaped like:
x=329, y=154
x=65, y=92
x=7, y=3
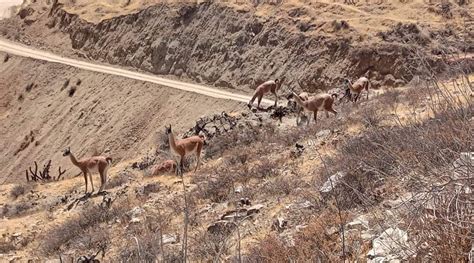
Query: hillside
x=387, y=179
x=123, y=118
x=314, y=44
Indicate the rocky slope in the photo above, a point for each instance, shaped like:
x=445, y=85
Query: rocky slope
x=46, y=107
x=238, y=47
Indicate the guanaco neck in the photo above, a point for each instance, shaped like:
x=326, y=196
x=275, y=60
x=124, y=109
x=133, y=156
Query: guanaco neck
x=172, y=141
x=299, y=101
x=73, y=159
x=350, y=85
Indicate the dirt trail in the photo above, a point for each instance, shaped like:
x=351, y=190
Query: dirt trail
x=19, y=50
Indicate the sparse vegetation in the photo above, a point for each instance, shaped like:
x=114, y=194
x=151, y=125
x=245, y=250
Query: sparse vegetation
x=118, y=180
x=77, y=228
x=20, y=189
x=71, y=91
x=65, y=84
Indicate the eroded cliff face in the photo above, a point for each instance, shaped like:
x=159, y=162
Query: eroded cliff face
x=221, y=46
x=237, y=48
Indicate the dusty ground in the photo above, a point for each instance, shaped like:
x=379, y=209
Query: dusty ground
x=121, y=119
x=124, y=118
x=38, y=213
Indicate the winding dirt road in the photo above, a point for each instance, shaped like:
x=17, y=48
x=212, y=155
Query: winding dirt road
x=20, y=50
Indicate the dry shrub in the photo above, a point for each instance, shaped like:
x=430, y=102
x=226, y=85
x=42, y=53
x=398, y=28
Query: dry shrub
x=444, y=232
x=148, y=236
x=122, y=178
x=6, y=246
x=72, y=91
x=270, y=249
x=20, y=189
x=94, y=239
x=17, y=209
x=313, y=244
x=281, y=186
x=79, y=227
x=65, y=84
x=404, y=150
x=242, y=136
x=207, y=246
x=217, y=188
x=162, y=141
x=265, y=168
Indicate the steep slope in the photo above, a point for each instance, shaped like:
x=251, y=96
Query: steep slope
x=122, y=118
x=314, y=45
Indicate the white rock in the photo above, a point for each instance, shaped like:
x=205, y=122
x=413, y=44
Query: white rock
x=361, y=223
x=169, y=239
x=332, y=181
x=135, y=220
x=238, y=189
x=390, y=246
x=323, y=133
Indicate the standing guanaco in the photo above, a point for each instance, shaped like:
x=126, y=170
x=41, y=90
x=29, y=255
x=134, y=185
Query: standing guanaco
x=90, y=165
x=272, y=86
x=317, y=102
x=356, y=88
x=185, y=146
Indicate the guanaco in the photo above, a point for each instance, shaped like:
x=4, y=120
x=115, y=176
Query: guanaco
x=304, y=96
x=317, y=102
x=272, y=86
x=184, y=147
x=356, y=88
x=166, y=166
x=90, y=165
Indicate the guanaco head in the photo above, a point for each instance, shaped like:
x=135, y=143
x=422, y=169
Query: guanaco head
x=347, y=81
x=279, y=82
x=168, y=130
x=67, y=151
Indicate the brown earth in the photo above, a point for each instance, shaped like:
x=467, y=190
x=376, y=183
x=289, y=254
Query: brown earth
x=121, y=119
x=315, y=45
x=40, y=116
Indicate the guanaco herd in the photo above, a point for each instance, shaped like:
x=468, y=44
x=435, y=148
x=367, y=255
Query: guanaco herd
x=193, y=145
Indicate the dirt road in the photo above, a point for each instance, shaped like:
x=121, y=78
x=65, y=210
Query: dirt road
x=20, y=50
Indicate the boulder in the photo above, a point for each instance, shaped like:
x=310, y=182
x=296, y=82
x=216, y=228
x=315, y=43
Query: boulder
x=390, y=246
x=332, y=182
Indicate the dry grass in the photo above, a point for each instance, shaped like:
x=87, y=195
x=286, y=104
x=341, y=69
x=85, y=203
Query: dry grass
x=20, y=189
x=145, y=244
x=83, y=227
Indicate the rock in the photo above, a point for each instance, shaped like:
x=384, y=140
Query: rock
x=464, y=165
x=389, y=80
x=244, y=201
x=169, y=239
x=279, y=224
x=389, y=246
x=360, y=223
x=366, y=236
x=234, y=215
x=300, y=227
x=323, y=134
x=221, y=227
x=135, y=220
x=238, y=189
x=241, y=213
x=331, y=231
x=135, y=214
x=303, y=205
x=333, y=181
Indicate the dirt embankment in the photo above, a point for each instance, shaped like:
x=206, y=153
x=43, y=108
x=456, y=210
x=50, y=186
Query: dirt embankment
x=224, y=46
x=45, y=107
